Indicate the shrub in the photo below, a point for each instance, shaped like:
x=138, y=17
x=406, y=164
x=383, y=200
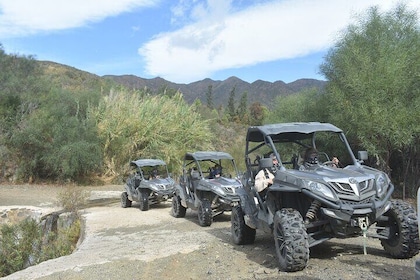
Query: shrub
x=72, y=199
x=19, y=245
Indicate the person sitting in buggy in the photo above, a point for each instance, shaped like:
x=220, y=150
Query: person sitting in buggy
x=215, y=172
x=310, y=159
x=154, y=174
x=265, y=177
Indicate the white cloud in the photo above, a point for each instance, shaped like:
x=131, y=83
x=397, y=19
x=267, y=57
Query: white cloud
x=22, y=17
x=221, y=39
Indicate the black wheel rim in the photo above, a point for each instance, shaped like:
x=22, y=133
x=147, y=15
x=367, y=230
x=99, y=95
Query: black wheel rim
x=280, y=241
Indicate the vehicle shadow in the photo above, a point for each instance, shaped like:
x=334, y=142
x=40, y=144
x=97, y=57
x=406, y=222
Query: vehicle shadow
x=348, y=252
x=192, y=216
x=161, y=205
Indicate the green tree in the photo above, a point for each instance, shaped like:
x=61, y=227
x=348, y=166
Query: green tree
x=166, y=91
x=57, y=140
x=209, y=97
x=231, y=105
x=21, y=85
x=257, y=113
x=304, y=106
x=374, y=86
x=243, y=109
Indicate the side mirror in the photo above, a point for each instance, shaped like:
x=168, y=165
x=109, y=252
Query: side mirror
x=362, y=155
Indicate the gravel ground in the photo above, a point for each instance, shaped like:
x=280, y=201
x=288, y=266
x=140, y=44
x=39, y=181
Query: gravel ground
x=130, y=244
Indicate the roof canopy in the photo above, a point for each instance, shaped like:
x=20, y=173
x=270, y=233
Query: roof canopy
x=207, y=155
x=288, y=131
x=147, y=162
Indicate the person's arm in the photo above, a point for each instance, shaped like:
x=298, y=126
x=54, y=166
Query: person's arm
x=261, y=182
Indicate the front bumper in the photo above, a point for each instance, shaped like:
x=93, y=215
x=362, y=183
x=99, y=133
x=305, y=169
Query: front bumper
x=168, y=192
x=229, y=199
x=349, y=212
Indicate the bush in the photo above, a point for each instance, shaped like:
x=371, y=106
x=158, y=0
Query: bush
x=25, y=244
x=57, y=141
x=19, y=245
x=61, y=243
x=72, y=199
x=134, y=125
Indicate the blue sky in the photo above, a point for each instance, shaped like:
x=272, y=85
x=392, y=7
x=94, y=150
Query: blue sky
x=183, y=41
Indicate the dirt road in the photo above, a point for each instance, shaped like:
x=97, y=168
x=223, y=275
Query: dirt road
x=130, y=244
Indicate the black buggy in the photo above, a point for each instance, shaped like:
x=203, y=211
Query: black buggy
x=309, y=203
x=149, y=184
x=206, y=185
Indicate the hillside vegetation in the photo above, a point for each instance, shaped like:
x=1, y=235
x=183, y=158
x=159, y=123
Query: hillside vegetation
x=258, y=91
x=58, y=123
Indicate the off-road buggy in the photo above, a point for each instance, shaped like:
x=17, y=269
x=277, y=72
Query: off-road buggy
x=309, y=203
x=206, y=185
x=149, y=184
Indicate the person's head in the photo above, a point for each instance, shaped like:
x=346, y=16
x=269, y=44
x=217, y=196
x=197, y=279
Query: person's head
x=217, y=171
x=274, y=159
x=154, y=173
x=311, y=156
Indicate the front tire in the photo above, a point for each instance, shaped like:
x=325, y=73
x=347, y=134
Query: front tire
x=403, y=241
x=178, y=211
x=204, y=213
x=144, y=200
x=241, y=233
x=125, y=202
x=291, y=240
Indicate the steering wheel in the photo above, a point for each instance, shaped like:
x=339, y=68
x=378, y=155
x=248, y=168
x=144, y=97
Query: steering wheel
x=329, y=163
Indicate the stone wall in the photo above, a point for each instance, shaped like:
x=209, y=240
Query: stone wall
x=16, y=214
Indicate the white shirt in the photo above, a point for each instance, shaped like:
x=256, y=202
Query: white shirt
x=261, y=182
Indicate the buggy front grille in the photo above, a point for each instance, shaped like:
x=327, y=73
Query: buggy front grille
x=348, y=188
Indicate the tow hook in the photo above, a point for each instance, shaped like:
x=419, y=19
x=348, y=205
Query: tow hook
x=363, y=224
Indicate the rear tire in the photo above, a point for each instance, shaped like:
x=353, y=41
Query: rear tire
x=291, y=240
x=125, y=202
x=241, y=233
x=178, y=211
x=144, y=200
x=204, y=213
x=403, y=242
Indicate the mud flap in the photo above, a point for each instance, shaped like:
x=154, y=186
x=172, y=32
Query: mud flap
x=249, y=208
x=181, y=193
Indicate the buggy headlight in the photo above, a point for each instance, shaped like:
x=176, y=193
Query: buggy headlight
x=156, y=187
x=321, y=189
x=218, y=190
x=153, y=186
x=382, y=183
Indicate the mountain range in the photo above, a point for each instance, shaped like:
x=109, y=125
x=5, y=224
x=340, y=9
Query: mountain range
x=259, y=91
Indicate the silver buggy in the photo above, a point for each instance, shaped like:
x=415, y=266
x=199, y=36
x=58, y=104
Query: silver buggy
x=149, y=184
x=208, y=185
x=317, y=195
